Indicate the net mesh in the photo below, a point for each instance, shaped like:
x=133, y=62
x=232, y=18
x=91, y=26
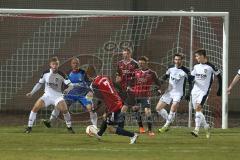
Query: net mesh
x=28, y=41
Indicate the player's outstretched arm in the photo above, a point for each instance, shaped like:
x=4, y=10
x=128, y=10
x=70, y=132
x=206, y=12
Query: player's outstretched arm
x=234, y=81
x=219, y=92
x=34, y=90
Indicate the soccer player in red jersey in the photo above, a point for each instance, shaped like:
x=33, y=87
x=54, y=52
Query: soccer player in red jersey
x=124, y=76
x=125, y=69
x=144, y=79
x=104, y=90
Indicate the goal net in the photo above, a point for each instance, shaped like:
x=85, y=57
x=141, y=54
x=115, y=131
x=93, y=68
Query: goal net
x=28, y=38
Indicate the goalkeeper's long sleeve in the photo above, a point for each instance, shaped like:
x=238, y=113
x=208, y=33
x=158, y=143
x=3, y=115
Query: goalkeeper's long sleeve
x=219, y=92
x=36, y=88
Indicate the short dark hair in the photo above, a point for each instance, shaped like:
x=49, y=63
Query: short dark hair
x=127, y=50
x=143, y=58
x=201, y=51
x=181, y=55
x=53, y=59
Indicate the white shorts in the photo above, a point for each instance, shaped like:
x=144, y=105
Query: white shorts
x=51, y=99
x=199, y=98
x=168, y=98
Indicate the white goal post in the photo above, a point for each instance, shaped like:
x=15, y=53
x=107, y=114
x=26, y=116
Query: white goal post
x=225, y=36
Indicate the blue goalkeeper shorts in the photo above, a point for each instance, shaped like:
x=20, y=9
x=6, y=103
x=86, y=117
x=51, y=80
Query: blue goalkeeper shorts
x=83, y=100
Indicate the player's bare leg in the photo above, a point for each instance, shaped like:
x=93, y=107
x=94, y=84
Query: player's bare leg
x=160, y=108
x=171, y=117
x=62, y=106
x=54, y=115
x=32, y=117
x=149, y=121
x=200, y=120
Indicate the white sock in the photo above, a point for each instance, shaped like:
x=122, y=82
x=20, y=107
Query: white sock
x=32, y=118
x=163, y=113
x=198, y=120
x=55, y=113
x=93, y=118
x=204, y=122
x=170, y=118
x=67, y=119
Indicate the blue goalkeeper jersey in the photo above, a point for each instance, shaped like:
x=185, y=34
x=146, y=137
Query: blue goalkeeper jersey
x=80, y=82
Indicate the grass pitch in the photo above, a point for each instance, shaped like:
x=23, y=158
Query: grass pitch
x=177, y=144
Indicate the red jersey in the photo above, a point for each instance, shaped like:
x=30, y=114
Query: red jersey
x=104, y=90
x=126, y=71
x=143, y=82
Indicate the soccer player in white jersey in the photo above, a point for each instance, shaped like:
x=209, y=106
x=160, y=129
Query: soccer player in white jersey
x=177, y=75
x=203, y=73
x=53, y=80
x=234, y=81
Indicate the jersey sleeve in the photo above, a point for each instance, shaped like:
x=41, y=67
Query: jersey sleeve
x=66, y=81
x=168, y=72
x=193, y=73
x=239, y=72
x=216, y=71
x=42, y=79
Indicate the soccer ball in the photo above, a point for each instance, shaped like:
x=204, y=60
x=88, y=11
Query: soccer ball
x=91, y=130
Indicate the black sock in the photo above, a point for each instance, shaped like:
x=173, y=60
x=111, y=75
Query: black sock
x=121, y=124
x=149, y=123
x=121, y=120
x=139, y=119
x=123, y=132
x=102, y=128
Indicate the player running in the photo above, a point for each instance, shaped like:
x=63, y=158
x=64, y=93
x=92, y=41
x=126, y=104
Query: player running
x=177, y=75
x=124, y=76
x=81, y=93
x=234, y=81
x=103, y=89
x=140, y=93
x=53, y=80
x=203, y=77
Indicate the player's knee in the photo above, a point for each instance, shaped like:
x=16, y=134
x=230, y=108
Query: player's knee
x=174, y=108
x=89, y=108
x=124, y=108
x=198, y=108
x=147, y=111
x=37, y=106
x=159, y=107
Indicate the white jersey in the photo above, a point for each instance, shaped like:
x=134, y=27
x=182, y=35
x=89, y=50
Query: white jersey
x=203, y=75
x=177, y=79
x=239, y=72
x=53, y=82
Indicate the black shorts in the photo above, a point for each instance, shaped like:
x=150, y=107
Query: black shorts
x=143, y=102
x=138, y=101
x=114, y=118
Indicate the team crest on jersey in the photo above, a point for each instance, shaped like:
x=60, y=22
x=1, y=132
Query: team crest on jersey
x=205, y=70
x=56, y=80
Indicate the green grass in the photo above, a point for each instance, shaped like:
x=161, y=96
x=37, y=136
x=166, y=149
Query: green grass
x=55, y=143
